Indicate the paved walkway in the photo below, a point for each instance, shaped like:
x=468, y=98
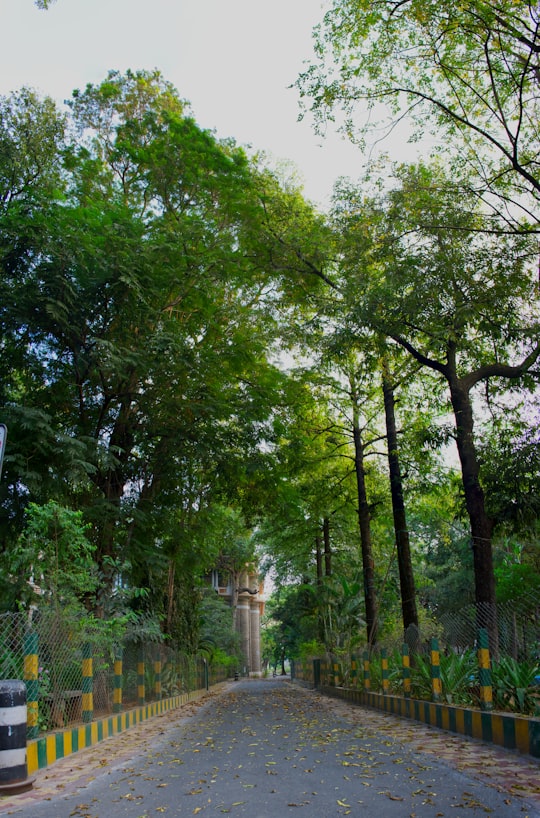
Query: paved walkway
x=261, y=749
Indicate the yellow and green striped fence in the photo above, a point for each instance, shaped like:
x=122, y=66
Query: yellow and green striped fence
x=44, y=751
x=509, y=730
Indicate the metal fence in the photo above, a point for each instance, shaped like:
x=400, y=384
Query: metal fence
x=514, y=658
x=516, y=624
x=51, y=652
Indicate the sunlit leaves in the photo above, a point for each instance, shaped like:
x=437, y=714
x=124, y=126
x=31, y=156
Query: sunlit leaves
x=467, y=70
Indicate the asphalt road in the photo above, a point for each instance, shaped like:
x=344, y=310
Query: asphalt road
x=268, y=748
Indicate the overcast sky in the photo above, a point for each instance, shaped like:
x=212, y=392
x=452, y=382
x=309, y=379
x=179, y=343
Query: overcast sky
x=234, y=60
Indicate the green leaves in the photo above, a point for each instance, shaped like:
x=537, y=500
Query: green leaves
x=138, y=331
x=430, y=278
x=31, y=139
x=467, y=74
x=515, y=685
x=55, y=551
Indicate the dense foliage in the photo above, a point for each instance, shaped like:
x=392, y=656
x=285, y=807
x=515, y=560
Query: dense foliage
x=198, y=370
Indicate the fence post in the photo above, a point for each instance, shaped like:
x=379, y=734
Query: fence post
x=484, y=668
x=31, y=677
x=436, y=687
x=141, y=693
x=354, y=671
x=337, y=674
x=367, y=679
x=384, y=672
x=118, y=680
x=406, y=664
x=87, y=683
x=157, y=678
x=316, y=672
x=178, y=673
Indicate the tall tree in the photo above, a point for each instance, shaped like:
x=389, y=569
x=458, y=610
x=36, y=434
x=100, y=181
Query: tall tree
x=401, y=529
x=457, y=302
x=364, y=513
x=137, y=320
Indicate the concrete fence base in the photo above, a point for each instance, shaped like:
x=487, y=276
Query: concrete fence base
x=513, y=732
x=50, y=748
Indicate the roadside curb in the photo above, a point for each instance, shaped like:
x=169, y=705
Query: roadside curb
x=502, y=729
x=45, y=751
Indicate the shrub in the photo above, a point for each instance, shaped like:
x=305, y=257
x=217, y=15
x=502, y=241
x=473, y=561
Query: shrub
x=515, y=686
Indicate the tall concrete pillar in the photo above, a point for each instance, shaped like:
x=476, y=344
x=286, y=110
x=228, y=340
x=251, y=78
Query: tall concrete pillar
x=255, y=636
x=242, y=625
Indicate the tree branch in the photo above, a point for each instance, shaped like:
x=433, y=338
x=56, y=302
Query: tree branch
x=499, y=370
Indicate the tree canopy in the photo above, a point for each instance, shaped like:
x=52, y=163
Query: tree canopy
x=200, y=370
x=467, y=71
x=136, y=332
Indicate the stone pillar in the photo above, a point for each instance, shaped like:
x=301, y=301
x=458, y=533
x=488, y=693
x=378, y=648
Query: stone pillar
x=242, y=625
x=255, y=636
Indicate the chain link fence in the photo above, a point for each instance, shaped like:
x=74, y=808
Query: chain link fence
x=514, y=660
x=48, y=651
x=516, y=624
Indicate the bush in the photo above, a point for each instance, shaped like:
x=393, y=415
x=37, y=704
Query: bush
x=515, y=686
x=459, y=677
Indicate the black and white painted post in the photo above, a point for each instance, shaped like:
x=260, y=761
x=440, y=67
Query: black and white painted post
x=13, y=766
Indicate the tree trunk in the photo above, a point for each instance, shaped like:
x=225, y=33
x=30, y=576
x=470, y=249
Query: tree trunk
x=170, y=597
x=318, y=559
x=327, y=548
x=484, y=576
x=235, y=585
x=406, y=575
x=111, y=484
x=365, y=538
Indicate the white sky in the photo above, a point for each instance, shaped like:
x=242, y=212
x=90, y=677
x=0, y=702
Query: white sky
x=233, y=60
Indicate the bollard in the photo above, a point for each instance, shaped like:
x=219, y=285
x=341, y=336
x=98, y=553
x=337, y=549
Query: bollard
x=436, y=685
x=13, y=766
x=484, y=669
x=384, y=672
x=367, y=676
x=118, y=680
x=406, y=663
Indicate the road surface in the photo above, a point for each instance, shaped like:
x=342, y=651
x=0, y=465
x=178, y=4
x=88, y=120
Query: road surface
x=265, y=749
